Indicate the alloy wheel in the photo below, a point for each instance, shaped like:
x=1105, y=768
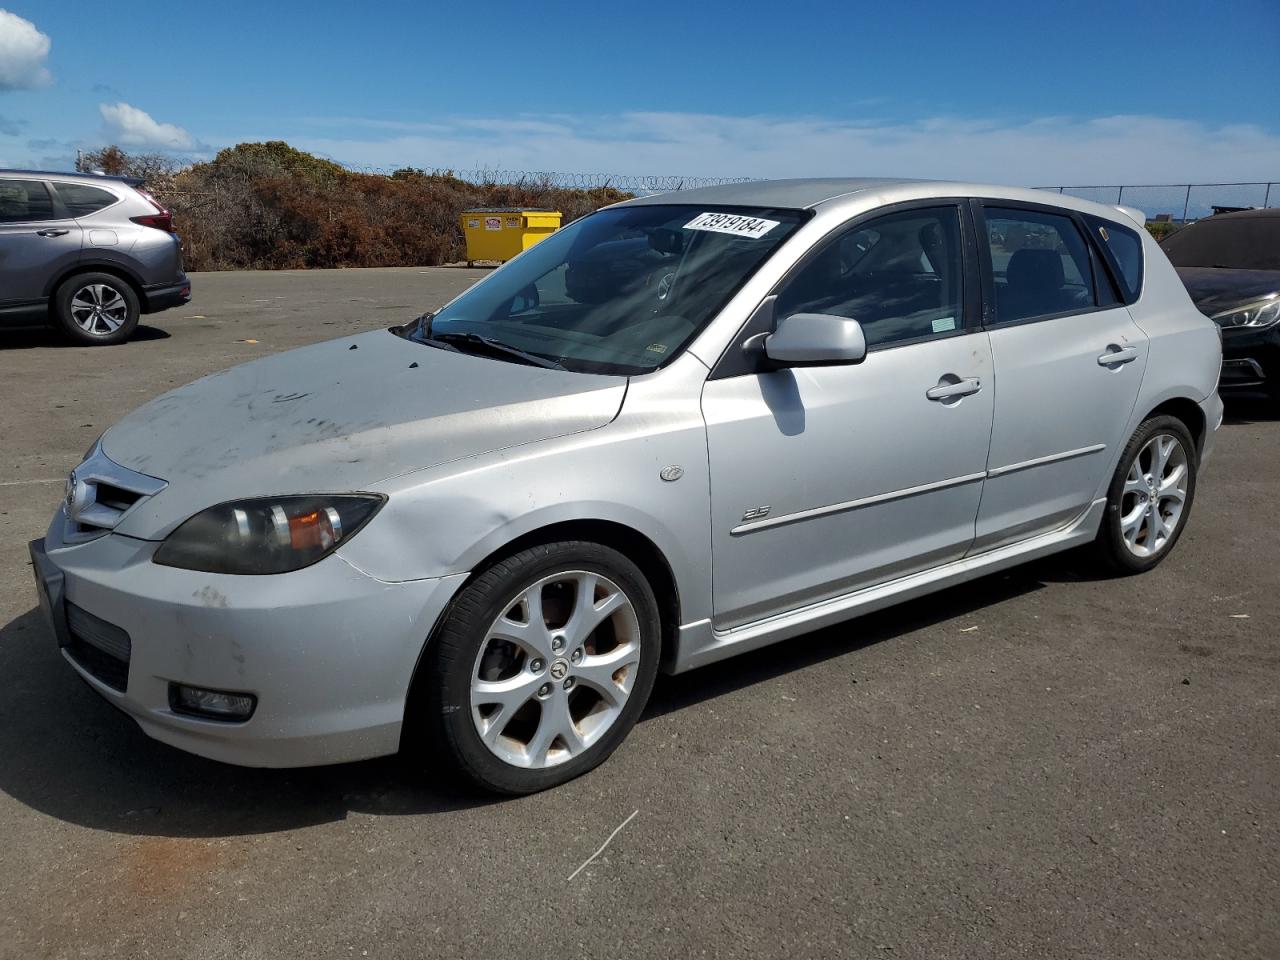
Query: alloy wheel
x=99, y=309
x=555, y=669
x=1155, y=492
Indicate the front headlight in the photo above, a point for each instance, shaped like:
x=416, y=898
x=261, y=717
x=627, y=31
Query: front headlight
x=267, y=535
x=1263, y=313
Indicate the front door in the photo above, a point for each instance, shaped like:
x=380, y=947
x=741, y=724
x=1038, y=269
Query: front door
x=828, y=479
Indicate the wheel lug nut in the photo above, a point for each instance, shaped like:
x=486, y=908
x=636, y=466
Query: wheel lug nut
x=568, y=683
x=537, y=666
x=544, y=690
x=577, y=656
x=557, y=644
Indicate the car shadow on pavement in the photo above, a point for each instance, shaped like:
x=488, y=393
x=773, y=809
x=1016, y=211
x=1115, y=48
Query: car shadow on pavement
x=68, y=754
x=28, y=338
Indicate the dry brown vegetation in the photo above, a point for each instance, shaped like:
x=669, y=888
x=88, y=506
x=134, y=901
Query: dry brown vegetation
x=267, y=206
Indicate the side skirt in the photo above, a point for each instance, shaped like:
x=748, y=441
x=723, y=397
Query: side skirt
x=700, y=643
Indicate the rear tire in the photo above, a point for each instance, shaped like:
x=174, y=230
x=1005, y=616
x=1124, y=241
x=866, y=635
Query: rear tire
x=541, y=667
x=1150, y=497
x=96, y=309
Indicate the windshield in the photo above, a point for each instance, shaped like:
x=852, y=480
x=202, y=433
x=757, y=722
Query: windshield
x=621, y=291
x=1239, y=243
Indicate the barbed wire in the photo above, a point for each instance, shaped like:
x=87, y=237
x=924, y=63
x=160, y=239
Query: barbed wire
x=631, y=183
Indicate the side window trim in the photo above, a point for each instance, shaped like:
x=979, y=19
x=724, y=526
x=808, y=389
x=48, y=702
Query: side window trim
x=735, y=362
x=979, y=205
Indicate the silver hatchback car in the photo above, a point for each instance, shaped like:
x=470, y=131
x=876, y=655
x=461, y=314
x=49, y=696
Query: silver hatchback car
x=86, y=254
x=682, y=427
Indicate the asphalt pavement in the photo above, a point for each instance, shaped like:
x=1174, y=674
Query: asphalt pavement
x=1039, y=764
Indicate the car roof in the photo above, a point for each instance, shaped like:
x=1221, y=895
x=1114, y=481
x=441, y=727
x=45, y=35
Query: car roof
x=797, y=194
x=811, y=193
x=71, y=175
x=1262, y=213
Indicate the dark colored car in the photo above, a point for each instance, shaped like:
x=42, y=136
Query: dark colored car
x=85, y=253
x=1231, y=267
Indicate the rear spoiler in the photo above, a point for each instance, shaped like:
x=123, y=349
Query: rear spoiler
x=1133, y=213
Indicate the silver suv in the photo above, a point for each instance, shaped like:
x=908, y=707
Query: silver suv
x=678, y=429
x=85, y=253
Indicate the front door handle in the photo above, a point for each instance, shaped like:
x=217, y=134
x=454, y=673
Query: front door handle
x=52, y=233
x=954, y=390
x=1115, y=356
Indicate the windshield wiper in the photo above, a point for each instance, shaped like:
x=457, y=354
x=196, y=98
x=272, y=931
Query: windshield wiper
x=463, y=341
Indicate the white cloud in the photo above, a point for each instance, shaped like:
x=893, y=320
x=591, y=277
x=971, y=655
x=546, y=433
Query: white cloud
x=23, y=50
x=1037, y=152
x=126, y=125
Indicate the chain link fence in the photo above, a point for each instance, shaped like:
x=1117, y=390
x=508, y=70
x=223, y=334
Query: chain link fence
x=1181, y=202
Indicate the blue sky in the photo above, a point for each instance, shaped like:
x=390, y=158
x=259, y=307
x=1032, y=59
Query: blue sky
x=1023, y=92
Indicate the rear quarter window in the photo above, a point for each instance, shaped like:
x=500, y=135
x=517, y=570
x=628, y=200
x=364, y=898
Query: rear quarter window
x=81, y=199
x=1125, y=248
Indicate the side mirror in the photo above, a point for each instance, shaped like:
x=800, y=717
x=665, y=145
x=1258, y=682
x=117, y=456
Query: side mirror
x=815, y=339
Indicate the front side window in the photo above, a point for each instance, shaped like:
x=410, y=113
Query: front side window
x=1040, y=264
x=621, y=291
x=24, y=201
x=81, y=199
x=900, y=276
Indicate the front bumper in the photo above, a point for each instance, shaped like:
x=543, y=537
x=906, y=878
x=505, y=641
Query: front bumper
x=328, y=651
x=1250, y=357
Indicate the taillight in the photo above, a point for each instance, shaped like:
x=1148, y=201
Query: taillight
x=162, y=219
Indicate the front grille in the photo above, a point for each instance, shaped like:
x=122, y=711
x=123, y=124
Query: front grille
x=100, y=492
x=101, y=648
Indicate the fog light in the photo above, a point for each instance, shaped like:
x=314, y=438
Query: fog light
x=210, y=704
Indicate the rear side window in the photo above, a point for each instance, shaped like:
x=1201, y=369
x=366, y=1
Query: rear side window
x=1125, y=247
x=82, y=200
x=1040, y=264
x=22, y=201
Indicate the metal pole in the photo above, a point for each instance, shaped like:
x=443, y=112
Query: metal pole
x=1266, y=199
x=1119, y=194
x=1187, y=205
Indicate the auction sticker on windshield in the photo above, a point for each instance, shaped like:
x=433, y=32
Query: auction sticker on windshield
x=732, y=223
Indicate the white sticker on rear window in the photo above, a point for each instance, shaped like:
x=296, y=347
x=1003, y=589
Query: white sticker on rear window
x=943, y=325
x=732, y=223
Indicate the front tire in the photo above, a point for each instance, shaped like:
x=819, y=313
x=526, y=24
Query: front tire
x=96, y=309
x=1149, y=498
x=542, y=666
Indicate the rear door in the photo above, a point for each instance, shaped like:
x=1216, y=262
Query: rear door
x=38, y=239
x=1068, y=364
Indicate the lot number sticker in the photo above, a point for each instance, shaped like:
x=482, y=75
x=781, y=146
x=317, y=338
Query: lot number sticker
x=739, y=226
x=493, y=223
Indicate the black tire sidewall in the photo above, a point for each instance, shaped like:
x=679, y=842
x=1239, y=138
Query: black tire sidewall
x=453, y=650
x=72, y=331
x=1111, y=537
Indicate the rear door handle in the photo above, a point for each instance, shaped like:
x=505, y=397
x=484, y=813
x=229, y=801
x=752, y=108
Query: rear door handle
x=1117, y=355
x=953, y=391
x=52, y=233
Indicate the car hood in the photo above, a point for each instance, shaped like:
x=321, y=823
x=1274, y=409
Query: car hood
x=1216, y=290
x=338, y=417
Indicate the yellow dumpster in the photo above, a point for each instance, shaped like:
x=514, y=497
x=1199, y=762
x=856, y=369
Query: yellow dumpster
x=499, y=234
